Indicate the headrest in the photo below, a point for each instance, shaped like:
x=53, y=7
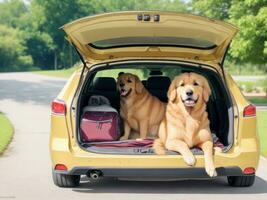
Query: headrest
x=105, y=83
x=158, y=82
x=155, y=73
x=144, y=82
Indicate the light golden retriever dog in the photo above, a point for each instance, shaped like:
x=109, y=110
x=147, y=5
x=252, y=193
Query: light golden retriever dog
x=186, y=122
x=140, y=111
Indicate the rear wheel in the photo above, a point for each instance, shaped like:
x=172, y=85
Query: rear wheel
x=241, y=181
x=64, y=180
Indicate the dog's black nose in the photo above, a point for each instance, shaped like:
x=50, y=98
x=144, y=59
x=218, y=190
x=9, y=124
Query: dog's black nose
x=122, y=84
x=189, y=92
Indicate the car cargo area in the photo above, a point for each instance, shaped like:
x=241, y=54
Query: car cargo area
x=156, y=77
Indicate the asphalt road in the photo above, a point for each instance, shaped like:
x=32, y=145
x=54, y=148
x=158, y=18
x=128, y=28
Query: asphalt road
x=25, y=168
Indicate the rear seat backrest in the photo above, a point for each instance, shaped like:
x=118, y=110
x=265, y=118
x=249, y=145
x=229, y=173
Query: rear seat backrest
x=158, y=86
x=106, y=86
x=144, y=82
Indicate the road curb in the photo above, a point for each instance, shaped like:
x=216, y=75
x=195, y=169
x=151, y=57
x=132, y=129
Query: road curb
x=261, y=107
x=263, y=158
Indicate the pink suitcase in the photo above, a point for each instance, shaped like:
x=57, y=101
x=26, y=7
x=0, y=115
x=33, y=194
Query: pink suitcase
x=99, y=123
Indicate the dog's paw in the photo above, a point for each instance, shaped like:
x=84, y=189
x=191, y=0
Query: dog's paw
x=190, y=160
x=211, y=171
x=123, y=138
x=160, y=151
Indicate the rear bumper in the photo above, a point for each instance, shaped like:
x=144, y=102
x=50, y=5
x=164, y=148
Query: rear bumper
x=79, y=161
x=171, y=173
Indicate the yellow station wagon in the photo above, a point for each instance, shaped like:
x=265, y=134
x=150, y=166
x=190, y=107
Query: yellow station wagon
x=156, y=46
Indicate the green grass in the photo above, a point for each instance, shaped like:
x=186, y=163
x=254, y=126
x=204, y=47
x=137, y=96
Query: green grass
x=58, y=73
x=247, y=83
x=245, y=72
x=6, y=132
x=111, y=73
x=243, y=69
x=114, y=73
x=255, y=100
x=252, y=84
x=262, y=129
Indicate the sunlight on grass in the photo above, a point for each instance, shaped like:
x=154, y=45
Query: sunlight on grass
x=59, y=73
x=262, y=130
x=105, y=73
x=255, y=100
x=6, y=132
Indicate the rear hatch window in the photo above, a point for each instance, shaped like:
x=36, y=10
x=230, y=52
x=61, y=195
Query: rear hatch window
x=153, y=41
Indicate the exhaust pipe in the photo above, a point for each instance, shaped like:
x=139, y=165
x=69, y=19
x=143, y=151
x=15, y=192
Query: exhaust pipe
x=95, y=174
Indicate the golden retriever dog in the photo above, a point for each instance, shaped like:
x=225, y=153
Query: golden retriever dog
x=186, y=122
x=140, y=111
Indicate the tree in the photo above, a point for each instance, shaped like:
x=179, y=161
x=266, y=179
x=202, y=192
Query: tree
x=125, y=5
x=57, y=13
x=38, y=25
x=11, y=12
x=250, y=16
x=12, y=50
x=39, y=43
x=33, y=28
x=217, y=9
x=250, y=45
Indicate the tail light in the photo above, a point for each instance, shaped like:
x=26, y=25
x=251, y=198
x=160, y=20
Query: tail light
x=249, y=170
x=61, y=167
x=58, y=107
x=249, y=111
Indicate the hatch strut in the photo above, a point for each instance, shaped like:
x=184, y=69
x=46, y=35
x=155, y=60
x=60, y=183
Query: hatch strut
x=84, y=64
x=80, y=81
x=222, y=61
x=80, y=56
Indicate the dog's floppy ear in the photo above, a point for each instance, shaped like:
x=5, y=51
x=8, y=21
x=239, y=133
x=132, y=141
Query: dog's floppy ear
x=119, y=74
x=138, y=85
x=172, y=90
x=206, y=91
x=118, y=82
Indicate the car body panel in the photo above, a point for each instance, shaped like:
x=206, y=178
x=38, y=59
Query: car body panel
x=241, y=156
x=185, y=28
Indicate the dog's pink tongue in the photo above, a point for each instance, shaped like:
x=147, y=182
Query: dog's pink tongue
x=123, y=93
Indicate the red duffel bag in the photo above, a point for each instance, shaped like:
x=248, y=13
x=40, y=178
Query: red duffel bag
x=99, y=123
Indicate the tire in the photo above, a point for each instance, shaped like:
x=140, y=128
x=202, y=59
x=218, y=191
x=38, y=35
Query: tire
x=64, y=180
x=241, y=181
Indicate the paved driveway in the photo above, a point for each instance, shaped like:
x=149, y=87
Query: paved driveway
x=25, y=168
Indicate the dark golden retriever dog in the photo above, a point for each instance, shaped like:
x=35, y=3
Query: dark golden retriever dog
x=140, y=111
x=186, y=122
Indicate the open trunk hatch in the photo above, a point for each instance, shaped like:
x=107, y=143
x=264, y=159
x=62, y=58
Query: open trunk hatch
x=150, y=34
x=101, y=80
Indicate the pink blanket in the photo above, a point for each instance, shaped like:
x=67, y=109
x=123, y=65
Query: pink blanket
x=140, y=143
